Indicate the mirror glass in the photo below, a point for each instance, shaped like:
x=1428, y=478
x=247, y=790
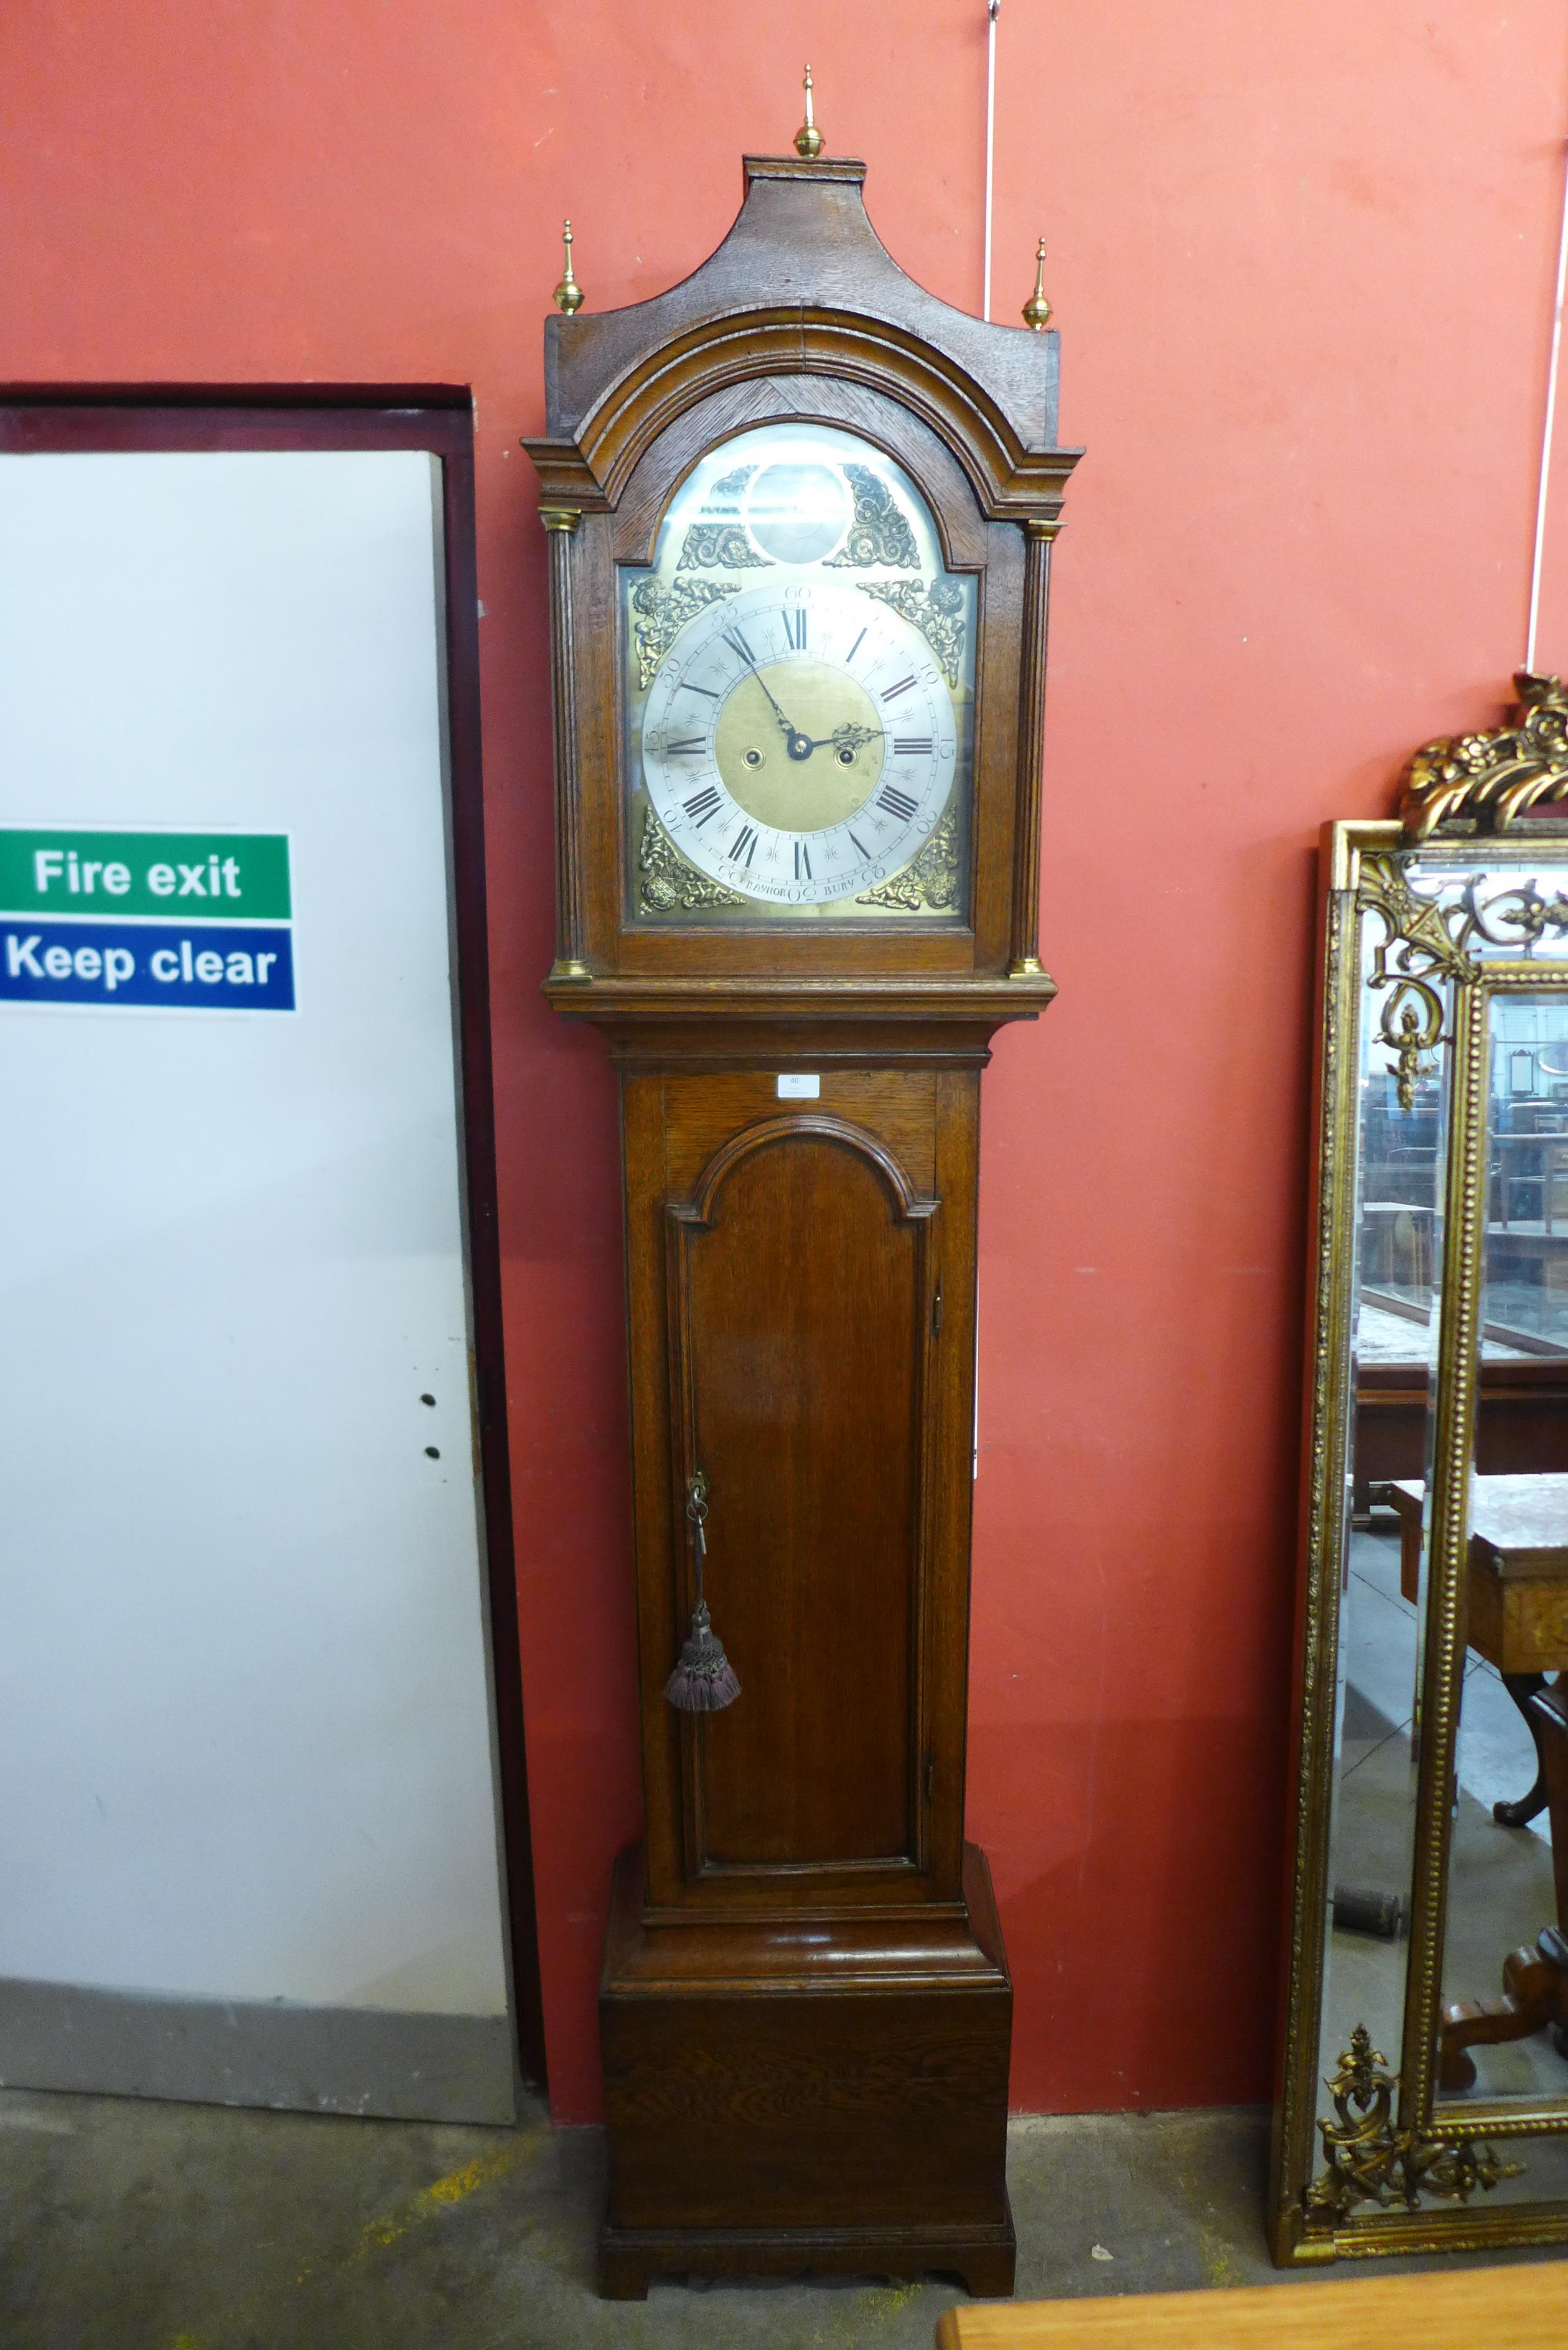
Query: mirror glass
x=1505, y=1958
x=1394, y=1316
x=1424, y=2098
x=1502, y=1894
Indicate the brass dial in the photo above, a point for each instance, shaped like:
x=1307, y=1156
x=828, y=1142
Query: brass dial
x=799, y=745
x=809, y=774
x=799, y=691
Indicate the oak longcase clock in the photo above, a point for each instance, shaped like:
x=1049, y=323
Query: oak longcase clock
x=800, y=516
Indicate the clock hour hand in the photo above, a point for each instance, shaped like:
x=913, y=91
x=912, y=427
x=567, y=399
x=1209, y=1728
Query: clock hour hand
x=847, y=737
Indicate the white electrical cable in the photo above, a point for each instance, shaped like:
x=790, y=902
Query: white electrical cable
x=994, y=10
x=1546, y=433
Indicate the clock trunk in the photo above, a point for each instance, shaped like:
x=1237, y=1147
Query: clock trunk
x=800, y=516
x=805, y=2008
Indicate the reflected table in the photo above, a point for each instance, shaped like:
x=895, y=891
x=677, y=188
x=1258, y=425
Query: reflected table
x=1518, y=1593
x=1517, y=1618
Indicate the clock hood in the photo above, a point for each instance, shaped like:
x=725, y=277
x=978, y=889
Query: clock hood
x=815, y=281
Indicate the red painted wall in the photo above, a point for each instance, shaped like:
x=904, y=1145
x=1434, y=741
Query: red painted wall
x=1303, y=261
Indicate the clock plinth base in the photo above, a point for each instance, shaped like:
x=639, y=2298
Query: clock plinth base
x=983, y=2259
x=823, y=2093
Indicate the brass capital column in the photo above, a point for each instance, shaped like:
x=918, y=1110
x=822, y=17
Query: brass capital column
x=560, y=522
x=1024, y=962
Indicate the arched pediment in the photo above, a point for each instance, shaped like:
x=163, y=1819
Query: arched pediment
x=803, y=284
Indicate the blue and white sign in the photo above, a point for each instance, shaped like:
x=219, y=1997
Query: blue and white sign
x=86, y=922
x=218, y=966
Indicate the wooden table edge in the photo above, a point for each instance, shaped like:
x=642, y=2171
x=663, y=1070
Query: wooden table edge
x=1523, y=2305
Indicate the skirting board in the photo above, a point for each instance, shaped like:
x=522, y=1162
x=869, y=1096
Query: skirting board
x=317, y=2060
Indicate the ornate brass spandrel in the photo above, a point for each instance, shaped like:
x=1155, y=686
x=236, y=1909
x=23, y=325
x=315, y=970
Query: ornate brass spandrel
x=937, y=611
x=930, y=882
x=666, y=883
x=1418, y=932
x=1426, y=942
x=1495, y=776
x=1419, y=936
x=880, y=531
x=719, y=542
x=660, y=613
x=1369, y=2159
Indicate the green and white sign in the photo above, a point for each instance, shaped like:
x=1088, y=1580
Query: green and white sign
x=189, y=876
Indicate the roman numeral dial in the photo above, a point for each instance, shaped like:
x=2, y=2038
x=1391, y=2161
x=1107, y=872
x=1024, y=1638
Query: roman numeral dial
x=798, y=743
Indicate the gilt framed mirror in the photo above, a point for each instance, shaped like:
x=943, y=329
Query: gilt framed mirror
x=1422, y=2094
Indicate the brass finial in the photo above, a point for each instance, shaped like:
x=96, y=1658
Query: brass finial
x=1037, y=310
x=569, y=293
x=808, y=138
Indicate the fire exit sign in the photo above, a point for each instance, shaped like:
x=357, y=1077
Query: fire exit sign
x=150, y=919
x=220, y=877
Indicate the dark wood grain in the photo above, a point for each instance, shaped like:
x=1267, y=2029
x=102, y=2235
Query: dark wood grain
x=570, y=925
x=809, y=1379
x=636, y=397
x=465, y=816
x=801, y=1324
x=983, y=2259
x=956, y=965
x=1025, y=947
x=57, y=418
x=853, y=2117
x=803, y=273
x=794, y=398
x=805, y=2010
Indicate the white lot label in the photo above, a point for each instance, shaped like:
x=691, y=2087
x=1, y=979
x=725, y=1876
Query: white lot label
x=800, y=1089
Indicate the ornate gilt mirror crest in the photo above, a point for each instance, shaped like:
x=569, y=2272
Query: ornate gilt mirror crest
x=1423, y=2086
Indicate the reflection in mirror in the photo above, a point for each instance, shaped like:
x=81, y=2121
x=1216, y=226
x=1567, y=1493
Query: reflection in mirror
x=1505, y=1962
x=1425, y=2080
x=1399, y=1163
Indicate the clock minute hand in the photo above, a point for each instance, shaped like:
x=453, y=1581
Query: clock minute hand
x=801, y=746
x=798, y=745
x=794, y=732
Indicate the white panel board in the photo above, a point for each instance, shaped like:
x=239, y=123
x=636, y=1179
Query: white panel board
x=244, y=1744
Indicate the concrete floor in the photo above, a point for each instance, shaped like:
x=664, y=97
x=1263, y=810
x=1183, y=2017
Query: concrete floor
x=133, y=2226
